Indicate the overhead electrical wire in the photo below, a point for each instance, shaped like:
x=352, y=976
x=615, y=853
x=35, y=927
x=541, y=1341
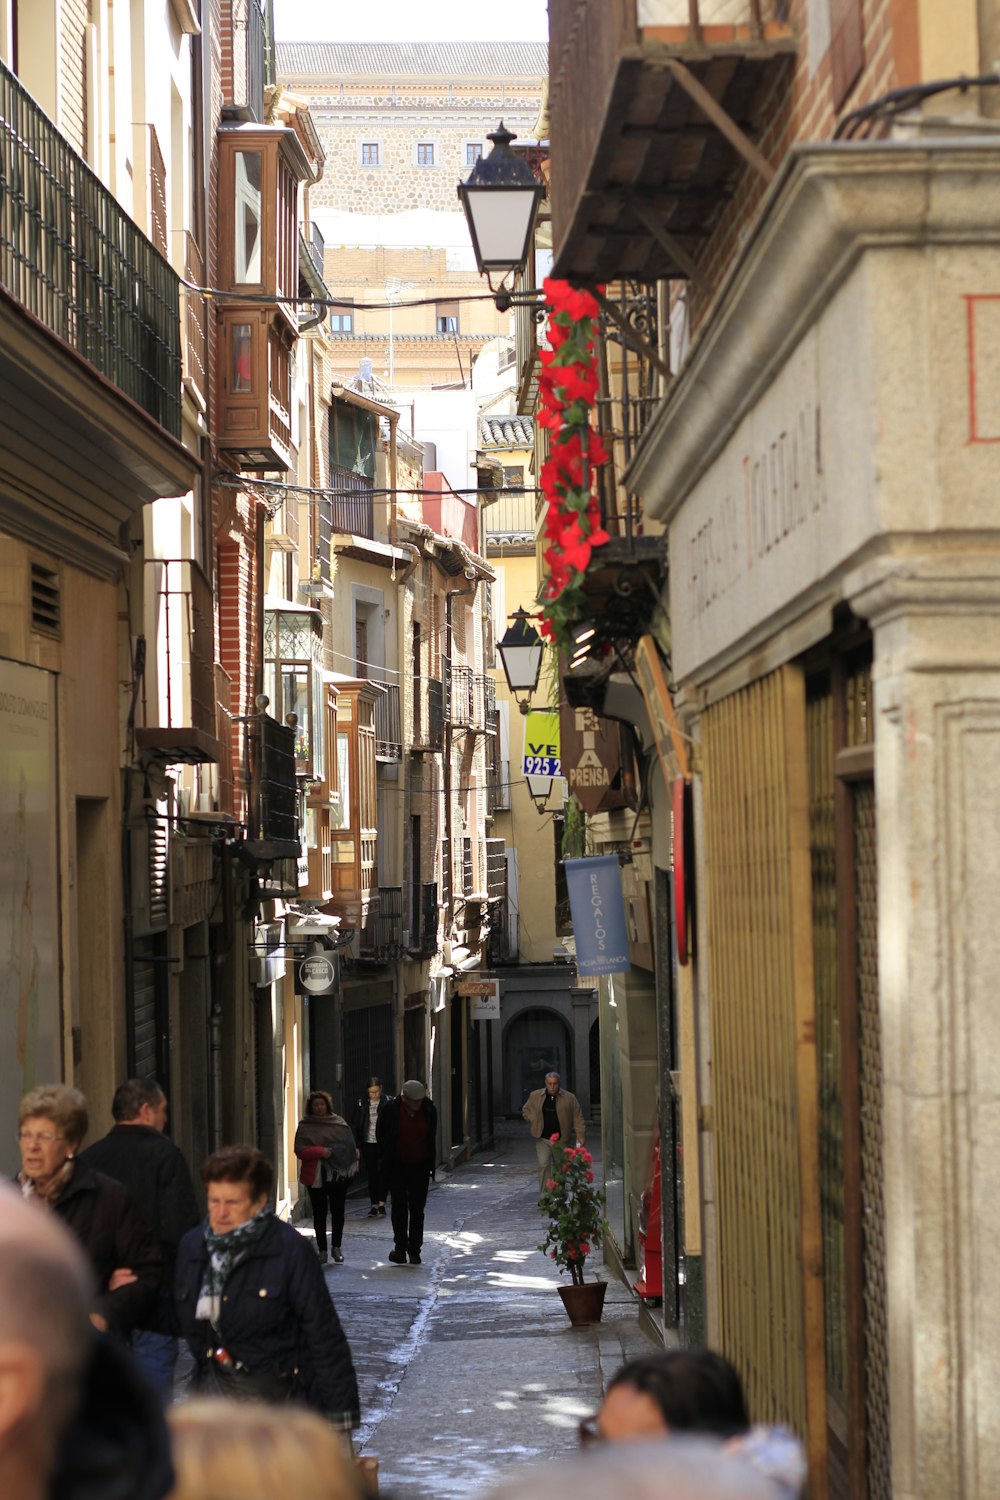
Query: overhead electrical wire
x=271, y=299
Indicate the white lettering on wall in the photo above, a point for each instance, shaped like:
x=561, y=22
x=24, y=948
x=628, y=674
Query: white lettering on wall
x=783, y=486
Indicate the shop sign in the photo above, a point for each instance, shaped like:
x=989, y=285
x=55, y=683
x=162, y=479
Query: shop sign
x=316, y=974
x=541, y=743
x=485, y=996
x=598, y=910
x=591, y=758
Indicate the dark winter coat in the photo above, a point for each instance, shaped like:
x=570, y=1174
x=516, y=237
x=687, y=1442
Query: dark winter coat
x=105, y=1220
x=276, y=1318
x=388, y=1133
x=117, y=1446
x=146, y=1162
x=359, y=1119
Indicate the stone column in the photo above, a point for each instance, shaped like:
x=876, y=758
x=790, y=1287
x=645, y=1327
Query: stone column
x=936, y=624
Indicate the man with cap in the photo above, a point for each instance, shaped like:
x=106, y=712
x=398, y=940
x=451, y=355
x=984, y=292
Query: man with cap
x=407, y=1142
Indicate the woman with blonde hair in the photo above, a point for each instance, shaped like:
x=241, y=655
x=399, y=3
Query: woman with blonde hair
x=222, y=1449
x=128, y=1266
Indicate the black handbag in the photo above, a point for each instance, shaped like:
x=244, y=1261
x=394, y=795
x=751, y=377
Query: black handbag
x=226, y=1377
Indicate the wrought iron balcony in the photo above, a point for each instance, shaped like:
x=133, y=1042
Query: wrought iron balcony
x=380, y=939
x=388, y=727
x=273, y=805
x=428, y=714
x=72, y=258
x=351, y=504
x=472, y=700
x=657, y=109
x=424, y=919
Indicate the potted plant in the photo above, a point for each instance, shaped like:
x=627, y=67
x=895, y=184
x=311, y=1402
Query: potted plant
x=575, y=1209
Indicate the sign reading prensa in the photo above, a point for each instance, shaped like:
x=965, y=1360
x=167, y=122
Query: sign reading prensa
x=541, y=744
x=598, y=910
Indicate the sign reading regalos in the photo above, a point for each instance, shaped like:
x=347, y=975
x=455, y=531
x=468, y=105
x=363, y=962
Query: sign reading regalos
x=541, y=743
x=598, y=909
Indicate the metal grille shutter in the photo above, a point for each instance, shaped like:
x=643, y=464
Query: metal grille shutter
x=762, y=1017
x=367, y=1050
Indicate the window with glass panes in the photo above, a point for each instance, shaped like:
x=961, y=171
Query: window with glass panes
x=369, y=154
x=425, y=153
x=446, y=317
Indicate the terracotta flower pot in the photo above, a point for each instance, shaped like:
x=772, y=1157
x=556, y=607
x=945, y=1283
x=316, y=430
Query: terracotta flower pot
x=584, y=1303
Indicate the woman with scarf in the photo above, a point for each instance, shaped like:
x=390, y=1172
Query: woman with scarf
x=252, y=1302
x=324, y=1145
x=128, y=1266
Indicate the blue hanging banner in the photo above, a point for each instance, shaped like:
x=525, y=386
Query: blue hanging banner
x=598, y=909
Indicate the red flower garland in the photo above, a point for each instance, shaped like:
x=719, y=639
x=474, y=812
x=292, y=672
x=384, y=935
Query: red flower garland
x=568, y=392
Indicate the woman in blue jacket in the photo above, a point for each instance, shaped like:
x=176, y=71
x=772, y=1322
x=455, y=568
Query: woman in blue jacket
x=252, y=1302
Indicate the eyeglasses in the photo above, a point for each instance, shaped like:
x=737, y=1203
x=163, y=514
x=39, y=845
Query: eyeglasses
x=38, y=1137
x=589, y=1432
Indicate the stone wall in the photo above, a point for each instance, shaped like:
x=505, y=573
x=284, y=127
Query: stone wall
x=396, y=118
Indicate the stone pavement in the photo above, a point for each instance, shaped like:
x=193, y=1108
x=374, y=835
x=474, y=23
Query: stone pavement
x=468, y=1364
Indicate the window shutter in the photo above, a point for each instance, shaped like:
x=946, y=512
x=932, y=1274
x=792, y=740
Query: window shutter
x=847, y=52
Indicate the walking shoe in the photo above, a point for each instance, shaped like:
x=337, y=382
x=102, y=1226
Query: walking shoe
x=381, y=1210
x=337, y=1254
x=373, y=1212
x=323, y=1257
x=414, y=1260
x=398, y=1257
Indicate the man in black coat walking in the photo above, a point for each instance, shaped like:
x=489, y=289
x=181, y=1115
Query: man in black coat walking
x=407, y=1141
x=136, y=1152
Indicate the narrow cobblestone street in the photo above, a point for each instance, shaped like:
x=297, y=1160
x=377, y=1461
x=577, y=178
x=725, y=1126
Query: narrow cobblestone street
x=467, y=1364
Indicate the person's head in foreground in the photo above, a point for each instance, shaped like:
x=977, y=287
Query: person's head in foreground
x=45, y=1339
x=682, y=1468
x=227, y=1448
x=675, y=1390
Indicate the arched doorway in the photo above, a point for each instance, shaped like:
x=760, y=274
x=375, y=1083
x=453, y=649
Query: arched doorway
x=535, y=1043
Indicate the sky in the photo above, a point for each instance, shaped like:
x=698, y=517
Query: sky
x=411, y=21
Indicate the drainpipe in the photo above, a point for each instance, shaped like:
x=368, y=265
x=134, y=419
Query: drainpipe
x=222, y=950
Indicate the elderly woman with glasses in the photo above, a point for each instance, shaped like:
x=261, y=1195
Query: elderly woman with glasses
x=128, y=1266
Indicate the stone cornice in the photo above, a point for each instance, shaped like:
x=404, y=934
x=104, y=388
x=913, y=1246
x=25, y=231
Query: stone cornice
x=828, y=205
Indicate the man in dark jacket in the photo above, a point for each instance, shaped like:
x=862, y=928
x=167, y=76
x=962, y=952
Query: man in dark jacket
x=407, y=1141
x=136, y=1153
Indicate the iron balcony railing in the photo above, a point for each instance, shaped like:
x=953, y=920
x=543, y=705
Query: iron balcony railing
x=381, y=936
x=72, y=257
x=462, y=697
x=351, y=504
x=428, y=714
x=497, y=786
x=511, y=517
x=473, y=700
x=388, y=730
x=496, y=869
x=273, y=805
x=424, y=930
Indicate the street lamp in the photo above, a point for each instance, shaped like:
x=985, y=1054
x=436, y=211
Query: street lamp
x=520, y=654
x=500, y=198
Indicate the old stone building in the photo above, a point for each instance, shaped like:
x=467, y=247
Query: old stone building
x=401, y=125
x=402, y=122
